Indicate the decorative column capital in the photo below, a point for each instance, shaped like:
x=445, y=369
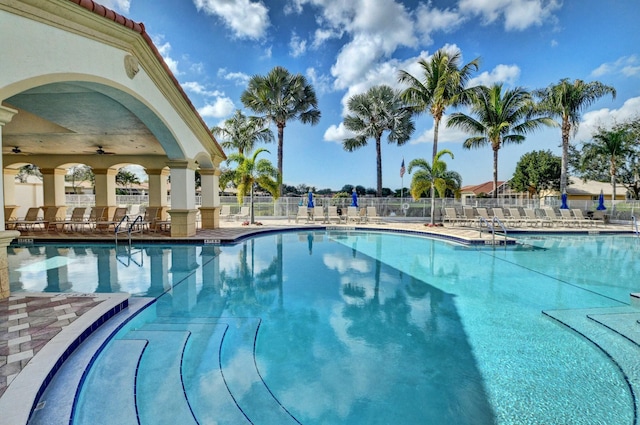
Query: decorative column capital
x=6, y=115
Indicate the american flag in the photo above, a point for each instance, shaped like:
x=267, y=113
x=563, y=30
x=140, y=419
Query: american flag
x=402, y=169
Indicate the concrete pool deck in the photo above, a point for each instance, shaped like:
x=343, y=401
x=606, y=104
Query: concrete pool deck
x=39, y=331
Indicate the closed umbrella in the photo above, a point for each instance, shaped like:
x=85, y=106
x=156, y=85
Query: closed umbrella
x=310, y=203
x=354, y=198
x=564, y=205
x=601, y=206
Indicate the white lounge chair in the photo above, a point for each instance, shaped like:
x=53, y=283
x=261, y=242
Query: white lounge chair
x=450, y=216
x=332, y=214
x=352, y=214
x=243, y=214
x=581, y=219
x=225, y=212
x=303, y=214
x=372, y=215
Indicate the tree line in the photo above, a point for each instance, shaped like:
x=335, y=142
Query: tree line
x=493, y=116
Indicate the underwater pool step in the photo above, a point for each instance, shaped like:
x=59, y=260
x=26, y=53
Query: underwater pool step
x=159, y=374
x=110, y=388
x=612, y=330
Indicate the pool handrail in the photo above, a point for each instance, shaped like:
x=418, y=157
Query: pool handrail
x=490, y=226
x=634, y=222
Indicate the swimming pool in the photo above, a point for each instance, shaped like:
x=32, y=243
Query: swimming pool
x=353, y=327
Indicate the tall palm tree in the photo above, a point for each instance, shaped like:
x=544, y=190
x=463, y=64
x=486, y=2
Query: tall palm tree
x=612, y=146
x=372, y=113
x=500, y=118
x=251, y=171
x=433, y=175
x=242, y=133
x=566, y=100
x=442, y=84
x=281, y=97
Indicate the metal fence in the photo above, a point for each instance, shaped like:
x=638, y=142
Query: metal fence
x=265, y=206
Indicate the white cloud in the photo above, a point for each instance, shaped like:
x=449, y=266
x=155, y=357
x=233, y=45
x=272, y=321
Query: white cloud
x=517, y=14
x=239, y=78
x=321, y=83
x=606, y=117
x=430, y=20
x=337, y=133
x=445, y=134
x=222, y=107
x=500, y=74
x=117, y=5
x=197, y=88
x=628, y=66
x=247, y=19
x=297, y=46
x=164, y=49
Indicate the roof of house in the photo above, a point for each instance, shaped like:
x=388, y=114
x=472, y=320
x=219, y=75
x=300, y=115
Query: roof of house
x=486, y=187
x=579, y=187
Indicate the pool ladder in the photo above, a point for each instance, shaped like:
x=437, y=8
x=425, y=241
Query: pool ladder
x=634, y=223
x=129, y=228
x=491, y=226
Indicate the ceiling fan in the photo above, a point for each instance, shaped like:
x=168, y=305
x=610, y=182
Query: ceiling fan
x=16, y=150
x=101, y=151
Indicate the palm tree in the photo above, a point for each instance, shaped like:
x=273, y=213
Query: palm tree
x=501, y=118
x=442, y=84
x=566, y=100
x=242, y=133
x=612, y=146
x=251, y=171
x=372, y=113
x=436, y=176
x=280, y=97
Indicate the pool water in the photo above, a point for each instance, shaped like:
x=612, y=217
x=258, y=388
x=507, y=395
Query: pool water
x=338, y=327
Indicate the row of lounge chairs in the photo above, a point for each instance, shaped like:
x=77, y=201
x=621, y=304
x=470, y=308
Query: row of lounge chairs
x=515, y=217
x=96, y=221
x=353, y=215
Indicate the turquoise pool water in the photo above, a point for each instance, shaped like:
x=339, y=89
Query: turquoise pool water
x=351, y=328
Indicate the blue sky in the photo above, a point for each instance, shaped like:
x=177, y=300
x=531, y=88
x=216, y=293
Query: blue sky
x=344, y=47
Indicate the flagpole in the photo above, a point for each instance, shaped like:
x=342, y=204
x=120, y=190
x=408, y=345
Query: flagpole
x=402, y=169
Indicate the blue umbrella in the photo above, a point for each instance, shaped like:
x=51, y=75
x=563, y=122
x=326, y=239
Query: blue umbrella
x=601, y=206
x=564, y=205
x=310, y=203
x=354, y=198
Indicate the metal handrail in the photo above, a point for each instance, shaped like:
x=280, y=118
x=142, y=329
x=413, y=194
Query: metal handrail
x=117, y=230
x=490, y=226
x=504, y=230
x=635, y=225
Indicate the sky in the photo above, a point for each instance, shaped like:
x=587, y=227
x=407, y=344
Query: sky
x=343, y=48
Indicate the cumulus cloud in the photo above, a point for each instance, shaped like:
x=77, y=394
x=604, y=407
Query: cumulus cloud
x=606, y=117
x=321, y=83
x=247, y=19
x=197, y=88
x=430, y=20
x=297, y=46
x=221, y=107
x=500, y=74
x=164, y=49
x=628, y=66
x=239, y=78
x=518, y=15
x=445, y=134
x=337, y=133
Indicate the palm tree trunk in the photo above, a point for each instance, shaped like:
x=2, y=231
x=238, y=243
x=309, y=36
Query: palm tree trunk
x=613, y=183
x=379, y=166
x=280, y=144
x=566, y=131
x=251, y=216
x=436, y=127
x=495, y=173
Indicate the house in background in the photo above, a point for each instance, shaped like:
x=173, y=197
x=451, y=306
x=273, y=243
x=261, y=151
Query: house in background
x=468, y=194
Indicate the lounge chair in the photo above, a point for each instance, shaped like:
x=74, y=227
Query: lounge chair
x=567, y=217
x=77, y=216
x=514, y=213
x=506, y=221
x=352, y=215
x=10, y=217
x=225, y=212
x=532, y=218
x=303, y=214
x=30, y=220
x=151, y=215
x=550, y=216
x=243, y=214
x=332, y=214
x=470, y=218
x=581, y=219
x=318, y=213
x=372, y=215
x=54, y=217
x=450, y=216
x=106, y=225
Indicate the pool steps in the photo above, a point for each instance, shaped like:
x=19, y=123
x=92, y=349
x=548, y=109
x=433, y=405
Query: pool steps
x=229, y=371
x=616, y=331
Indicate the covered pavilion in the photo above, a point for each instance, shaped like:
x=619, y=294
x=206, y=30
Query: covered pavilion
x=81, y=84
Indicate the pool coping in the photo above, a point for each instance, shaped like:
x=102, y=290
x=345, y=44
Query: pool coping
x=20, y=398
